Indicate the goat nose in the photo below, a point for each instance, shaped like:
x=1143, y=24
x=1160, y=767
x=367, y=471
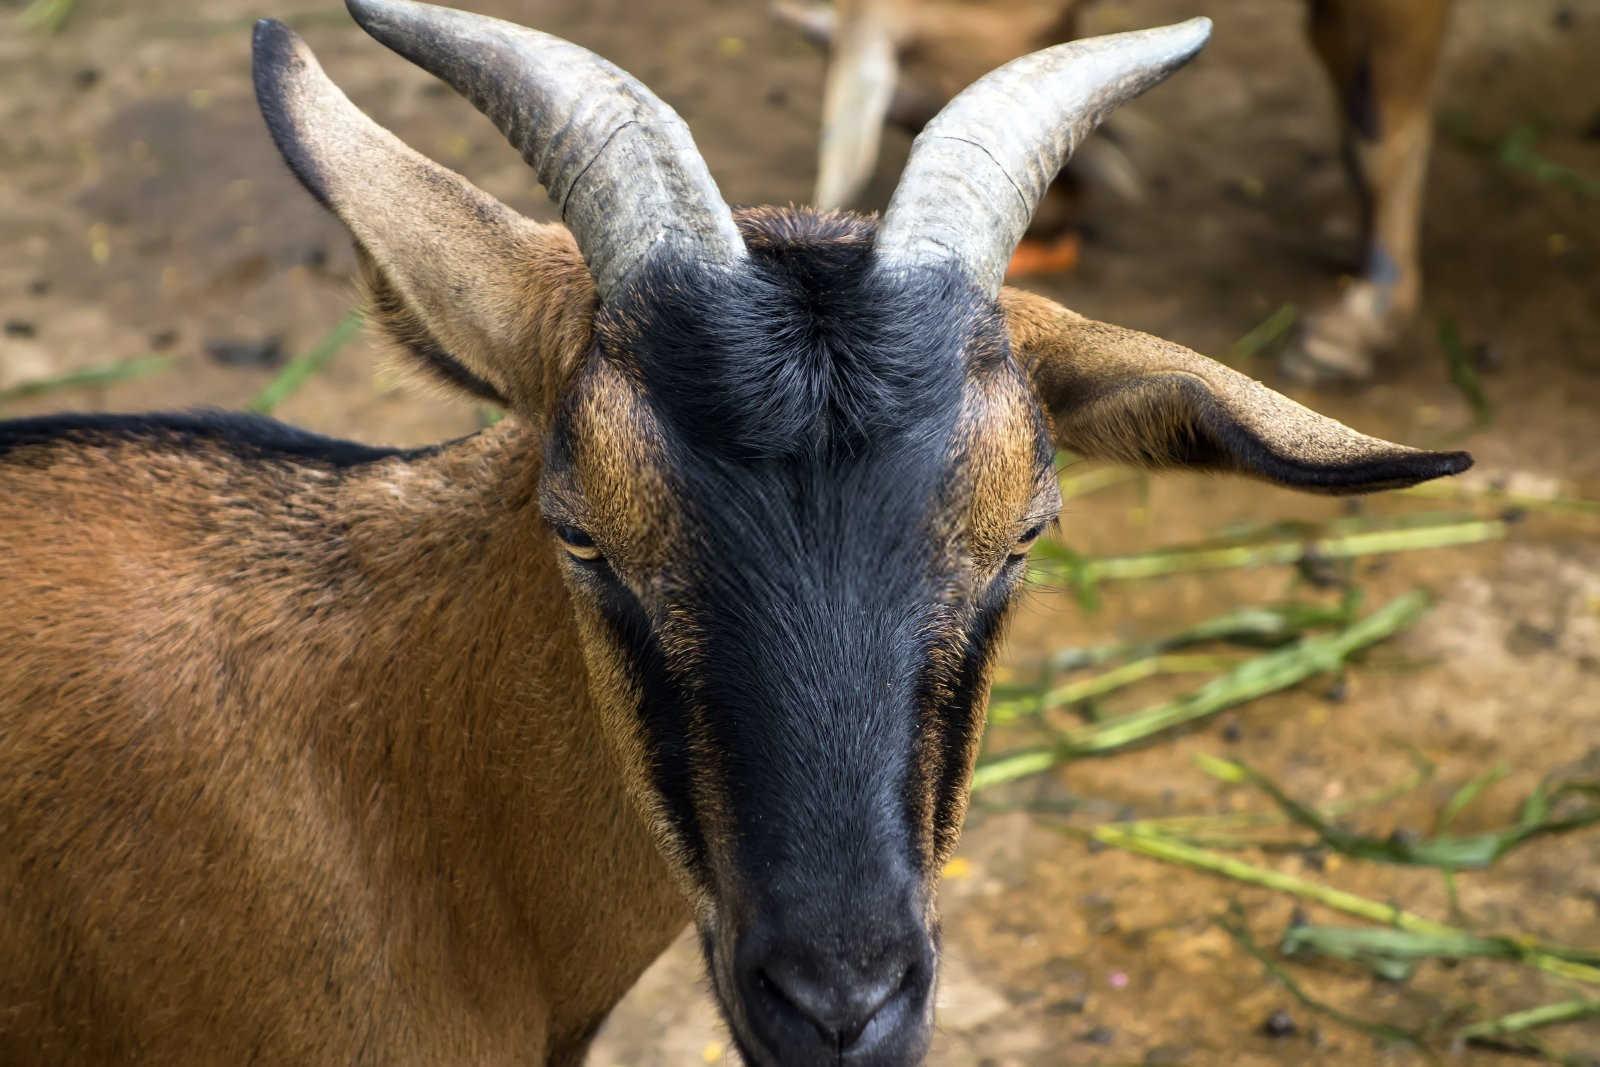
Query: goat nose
x=808, y=1006
x=839, y=1011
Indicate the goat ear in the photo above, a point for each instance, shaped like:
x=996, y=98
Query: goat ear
x=1124, y=395
x=490, y=302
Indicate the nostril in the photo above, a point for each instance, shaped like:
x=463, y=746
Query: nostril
x=774, y=990
x=839, y=1015
x=871, y=1002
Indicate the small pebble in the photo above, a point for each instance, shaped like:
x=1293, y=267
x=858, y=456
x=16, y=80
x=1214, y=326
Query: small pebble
x=1279, y=1024
x=1404, y=837
x=1098, y=1035
x=20, y=328
x=1065, y=1006
x=267, y=352
x=1063, y=969
x=1318, y=570
x=1526, y=637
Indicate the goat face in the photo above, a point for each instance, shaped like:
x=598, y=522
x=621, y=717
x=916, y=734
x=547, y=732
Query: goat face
x=793, y=503
x=792, y=464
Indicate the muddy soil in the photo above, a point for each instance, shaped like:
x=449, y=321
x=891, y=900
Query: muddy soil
x=142, y=209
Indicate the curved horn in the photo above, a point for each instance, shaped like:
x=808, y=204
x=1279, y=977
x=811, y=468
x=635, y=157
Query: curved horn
x=979, y=169
x=620, y=163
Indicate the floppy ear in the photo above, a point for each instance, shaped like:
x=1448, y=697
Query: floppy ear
x=1124, y=395
x=487, y=300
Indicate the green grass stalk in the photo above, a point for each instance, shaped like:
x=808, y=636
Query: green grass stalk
x=108, y=374
x=1269, y=673
x=301, y=369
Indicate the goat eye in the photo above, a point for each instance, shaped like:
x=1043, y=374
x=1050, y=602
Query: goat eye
x=578, y=543
x=1025, y=542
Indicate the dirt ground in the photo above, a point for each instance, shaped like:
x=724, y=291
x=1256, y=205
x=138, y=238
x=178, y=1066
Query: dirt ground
x=142, y=209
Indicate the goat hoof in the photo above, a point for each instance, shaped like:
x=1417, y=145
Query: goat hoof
x=1341, y=343
x=1318, y=355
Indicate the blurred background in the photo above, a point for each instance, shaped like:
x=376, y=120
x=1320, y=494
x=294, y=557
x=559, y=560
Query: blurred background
x=1273, y=779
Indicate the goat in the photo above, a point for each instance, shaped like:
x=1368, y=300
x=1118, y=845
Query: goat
x=900, y=60
x=313, y=752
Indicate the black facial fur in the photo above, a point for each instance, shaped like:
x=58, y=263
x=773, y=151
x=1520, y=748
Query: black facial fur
x=809, y=405
x=664, y=714
x=807, y=352
x=955, y=716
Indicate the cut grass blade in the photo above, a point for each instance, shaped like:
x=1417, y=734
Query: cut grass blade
x=1459, y=802
x=1105, y=683
x=46, y=16
x=1554, y=505
x=1235, y=927
x=1515, y=152
x=300, y=369
x=1082, y=573
x=1264, y=335
x=1464, y=373
x=1466, y=795
x=1269, y=673
x=1561, y=960
x=109, y=374
x=1445, y=852
x=1193, y=829
x=1391, y=954
x=1269, y=626
x=1492, y=1031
